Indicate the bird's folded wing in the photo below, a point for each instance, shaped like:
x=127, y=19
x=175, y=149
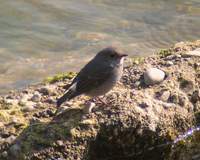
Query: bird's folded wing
x=91, y=79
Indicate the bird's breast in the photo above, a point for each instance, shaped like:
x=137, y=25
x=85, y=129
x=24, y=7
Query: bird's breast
x=108, y=84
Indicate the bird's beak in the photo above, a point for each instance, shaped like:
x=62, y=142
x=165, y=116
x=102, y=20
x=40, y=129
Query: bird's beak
x=123, y=55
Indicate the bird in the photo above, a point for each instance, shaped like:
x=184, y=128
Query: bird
x=97, y=77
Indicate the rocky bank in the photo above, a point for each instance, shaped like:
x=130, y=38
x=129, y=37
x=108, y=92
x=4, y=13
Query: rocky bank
x=157, y=100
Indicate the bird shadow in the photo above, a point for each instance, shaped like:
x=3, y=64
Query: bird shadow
x=41, y=136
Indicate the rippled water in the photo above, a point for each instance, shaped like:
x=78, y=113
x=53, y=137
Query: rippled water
x=41, y=38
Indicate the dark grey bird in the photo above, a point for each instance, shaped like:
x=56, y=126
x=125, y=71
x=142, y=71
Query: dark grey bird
x=97, y=77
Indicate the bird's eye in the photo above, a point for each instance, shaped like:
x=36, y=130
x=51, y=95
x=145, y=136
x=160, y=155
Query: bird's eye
x=112, y=55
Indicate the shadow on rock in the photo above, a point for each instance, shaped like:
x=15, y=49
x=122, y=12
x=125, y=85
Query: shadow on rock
x=41, y=136
x=113, y=142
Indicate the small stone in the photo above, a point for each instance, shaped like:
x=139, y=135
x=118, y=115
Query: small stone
x=88, y=107
x=137, y=83
x=50, y=100
x=2, y=140
x=24, y=100
x=143, y=105
x=47, y=90
x=174, y=99
x=10, y=139
x=169, y=63
x=29, y=106
x=178, y=56
x=50, y=113
x=165, y=96
x=59, y=143
x=10, y=97
x=22, y=103
x=36, y=97
x=26, y=91
x=153, y=76
x=15, y=150
x=5, y=134
x=11, y=101
x=1, y=124
x=196, y=65
x=34, y=120
x=4, y=154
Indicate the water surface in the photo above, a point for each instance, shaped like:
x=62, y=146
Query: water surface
x=41, y=38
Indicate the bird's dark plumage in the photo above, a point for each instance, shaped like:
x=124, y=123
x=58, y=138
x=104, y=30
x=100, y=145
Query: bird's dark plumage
x=96, y=73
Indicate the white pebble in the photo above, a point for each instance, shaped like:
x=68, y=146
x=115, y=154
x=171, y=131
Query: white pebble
x=153, y=76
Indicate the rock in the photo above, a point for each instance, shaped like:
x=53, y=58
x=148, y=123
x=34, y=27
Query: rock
x=165, y=96
x=186, y=85
x=29, y=106
x=153, y=76
x=88, y=107
x=34, y=120
x=22, y=102
x=50, y=100
x=2, y=140
x=36, y=97
x=11, y=101
x=195, y=96
x=89, y=122
x=178, y=56
x=48, y=90
x=143, y=105
x=4, y=154
x=10, y=97
x=169, y=63
x=195, y=52
x=5, y=134
x=50, y=113
x=59, y=143
x=10, y=139
x=24, y=99
x=196, y=65
x=1, y=124
x=15, y=150
x=136, y=122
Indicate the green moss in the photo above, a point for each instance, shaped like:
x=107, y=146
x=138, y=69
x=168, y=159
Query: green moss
x=137, y=60
x=14, y=111
x=42, y=135
x=4, y=116
x=165, y=52
x=60, y=77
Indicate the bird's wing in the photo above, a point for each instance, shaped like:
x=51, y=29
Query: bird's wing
x=92, y=76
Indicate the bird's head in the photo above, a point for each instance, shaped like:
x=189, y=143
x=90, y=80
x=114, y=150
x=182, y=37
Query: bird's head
x=111, y=55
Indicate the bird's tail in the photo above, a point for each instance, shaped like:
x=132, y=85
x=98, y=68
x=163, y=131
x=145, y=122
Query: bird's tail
x=66, y=97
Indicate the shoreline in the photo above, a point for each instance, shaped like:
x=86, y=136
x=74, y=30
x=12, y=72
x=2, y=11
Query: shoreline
x=139, y=113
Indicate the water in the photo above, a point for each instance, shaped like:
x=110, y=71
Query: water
x=41, y=38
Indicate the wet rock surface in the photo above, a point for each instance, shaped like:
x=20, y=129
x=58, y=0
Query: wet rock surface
x=133, y=121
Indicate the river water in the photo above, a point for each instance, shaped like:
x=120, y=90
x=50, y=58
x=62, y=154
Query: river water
x=43, y=37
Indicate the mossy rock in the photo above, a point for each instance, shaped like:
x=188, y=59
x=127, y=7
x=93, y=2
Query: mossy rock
x=165, y=52
x=137, y=60
x=60, y=77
